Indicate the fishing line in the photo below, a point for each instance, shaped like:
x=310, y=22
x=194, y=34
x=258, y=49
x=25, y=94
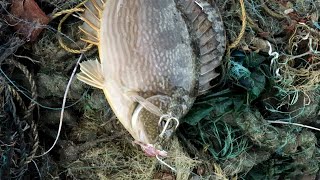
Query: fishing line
x=164, y=163
x=63, y=106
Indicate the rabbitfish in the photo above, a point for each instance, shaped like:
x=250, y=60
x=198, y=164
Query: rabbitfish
x=156, y=57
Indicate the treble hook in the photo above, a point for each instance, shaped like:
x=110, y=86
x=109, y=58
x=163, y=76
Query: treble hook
x=170, y=118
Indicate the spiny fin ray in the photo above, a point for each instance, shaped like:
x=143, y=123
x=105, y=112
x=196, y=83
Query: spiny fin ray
x=209, y=33
x=92, y=18
x=91, y=73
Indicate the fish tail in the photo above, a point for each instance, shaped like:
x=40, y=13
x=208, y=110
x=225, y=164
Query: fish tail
x=91, y=73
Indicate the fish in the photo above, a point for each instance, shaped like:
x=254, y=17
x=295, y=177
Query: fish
x=155, y=58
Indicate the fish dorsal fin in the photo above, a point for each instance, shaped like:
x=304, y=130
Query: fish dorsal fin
x=207, y=27
x=91, y=73
x=91, y=18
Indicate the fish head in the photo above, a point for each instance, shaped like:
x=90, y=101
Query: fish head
x=153, y=130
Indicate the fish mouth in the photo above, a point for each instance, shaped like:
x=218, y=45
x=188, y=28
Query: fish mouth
x=150, y=150
x=166, y=127
x=152, y=126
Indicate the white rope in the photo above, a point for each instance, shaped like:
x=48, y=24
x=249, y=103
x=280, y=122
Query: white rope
x=199, y=5
x=295, y=124
x=274, y=59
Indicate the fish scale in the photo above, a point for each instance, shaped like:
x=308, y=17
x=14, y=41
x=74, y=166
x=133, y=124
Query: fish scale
x=156, y=57
x=157, y=44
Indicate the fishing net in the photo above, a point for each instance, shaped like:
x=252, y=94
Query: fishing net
x=18, y=128
x=270, y=76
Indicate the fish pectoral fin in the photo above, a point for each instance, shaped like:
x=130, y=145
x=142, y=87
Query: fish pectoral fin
x=91, y=73
x=145, y=103
x=149, y=103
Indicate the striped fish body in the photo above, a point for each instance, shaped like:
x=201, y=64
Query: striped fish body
x=146, y=52
x=147, y=46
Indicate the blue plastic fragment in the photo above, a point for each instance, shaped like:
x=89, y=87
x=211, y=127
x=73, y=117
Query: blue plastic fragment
x=316, y=24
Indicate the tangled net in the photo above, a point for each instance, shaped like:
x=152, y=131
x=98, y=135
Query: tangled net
x=299, y=70
x=271, y=73
x=19, y=134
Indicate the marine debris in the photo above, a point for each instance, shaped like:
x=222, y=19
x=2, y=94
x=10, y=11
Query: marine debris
x=259, y=121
